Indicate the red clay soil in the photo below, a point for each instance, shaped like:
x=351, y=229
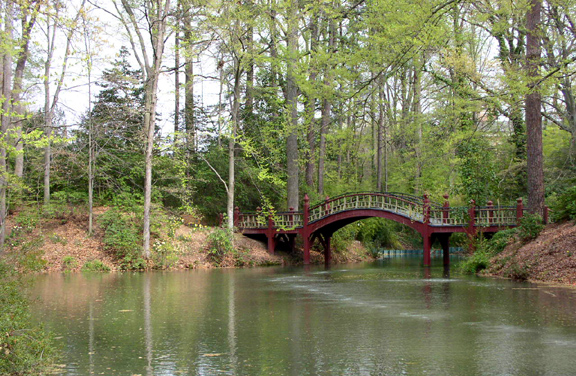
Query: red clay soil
x=549, y=258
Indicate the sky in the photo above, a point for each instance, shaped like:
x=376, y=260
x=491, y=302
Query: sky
x=105, y=42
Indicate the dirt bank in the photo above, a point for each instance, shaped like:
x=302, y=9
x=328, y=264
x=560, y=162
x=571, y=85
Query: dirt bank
x=63, y=244
x=549, y=258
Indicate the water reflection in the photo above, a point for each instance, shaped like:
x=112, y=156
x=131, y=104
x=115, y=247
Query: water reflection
x=393, y=317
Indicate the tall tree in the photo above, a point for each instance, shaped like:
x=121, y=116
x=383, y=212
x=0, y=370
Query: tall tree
x=534, y=110
x=149, y=20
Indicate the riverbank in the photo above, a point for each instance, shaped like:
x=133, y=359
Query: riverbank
x=551, y=257
x=61, y=243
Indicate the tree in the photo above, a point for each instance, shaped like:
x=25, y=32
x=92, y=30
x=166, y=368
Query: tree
x=534, y=110
x=151, y=17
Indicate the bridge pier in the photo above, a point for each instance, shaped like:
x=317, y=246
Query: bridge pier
x=445, y=243
x=427, y=249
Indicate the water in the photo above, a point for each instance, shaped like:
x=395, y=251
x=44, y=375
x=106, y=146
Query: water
x=391, y=317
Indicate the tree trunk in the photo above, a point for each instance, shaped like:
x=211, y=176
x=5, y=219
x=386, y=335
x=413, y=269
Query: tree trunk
x=534, y=111
x=292, y=167
x=232, y=144
x=311, y=105
x=189, y=97
x=326, y=108
x=6, y=95
x=176, y=81
x=18, y=108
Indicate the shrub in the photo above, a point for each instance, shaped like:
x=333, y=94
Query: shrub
x=377, y=233
x=122, y=236
x=475, y=263
x=29, y=258
x=164, y=254
x=27, y=219
x=499, y=241
x=219, y=245
x=95, y=266
x=69, y=262
x=518, y=272
x=25, y=348
x=342, y=239
x=530, y=227
x=565, y=206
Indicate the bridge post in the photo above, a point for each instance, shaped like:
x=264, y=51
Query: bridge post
x=490, y=212
x=446, y=209
x=427, y=248
x=445, y=243
x=271, y=234
x=472, y=218
x=327, y=250
x=236, y=218
x=426, y=209
x=305, y=231
x=519, y=210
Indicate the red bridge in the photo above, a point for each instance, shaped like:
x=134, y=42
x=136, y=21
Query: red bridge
x=432, y=220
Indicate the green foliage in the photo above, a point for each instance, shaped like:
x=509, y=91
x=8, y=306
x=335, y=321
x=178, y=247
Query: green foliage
x=25, y=349
x=29, y=256
x=377, y=233
x=500, y=240
x=27, y=219
x=122, y=237
x=69, y=262
x=475, y=263
x=476, y=170
x=485, y=249
x=219, y=245
x=564, y=207
x=517, y=271
x=164, y=254
x=530, y=227
x=342, y=239
x=95, y=266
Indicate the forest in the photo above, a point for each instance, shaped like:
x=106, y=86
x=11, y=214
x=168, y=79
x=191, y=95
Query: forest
x=318, y=97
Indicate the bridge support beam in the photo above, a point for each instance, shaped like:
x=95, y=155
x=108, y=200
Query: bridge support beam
x=307, y=246
x=427, y=249
x=271, y=243
x=445, y=243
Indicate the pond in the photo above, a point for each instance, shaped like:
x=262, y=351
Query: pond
x=390, y=317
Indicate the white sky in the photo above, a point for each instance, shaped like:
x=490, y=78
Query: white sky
x=74, y=99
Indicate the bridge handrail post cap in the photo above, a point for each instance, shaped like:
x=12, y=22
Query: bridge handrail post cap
x=473, y=202
x=306, y=198
x=519, y=200
x=490, y=203
x=291, y=209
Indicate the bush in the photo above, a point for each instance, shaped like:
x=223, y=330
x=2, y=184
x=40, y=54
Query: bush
x=164, y=254
x=122, y=236
x=376, y=233
x=219, y=245
x=518, y=272
x=475, y=263
x=69, y=262
x=95, y=266
x=531, y=226
x=499, y=241
x=565, y=206
x=25, y=348
x=342, y=239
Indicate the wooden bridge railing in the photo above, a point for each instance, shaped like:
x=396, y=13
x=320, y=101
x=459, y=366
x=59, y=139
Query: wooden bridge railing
x=416, y=209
